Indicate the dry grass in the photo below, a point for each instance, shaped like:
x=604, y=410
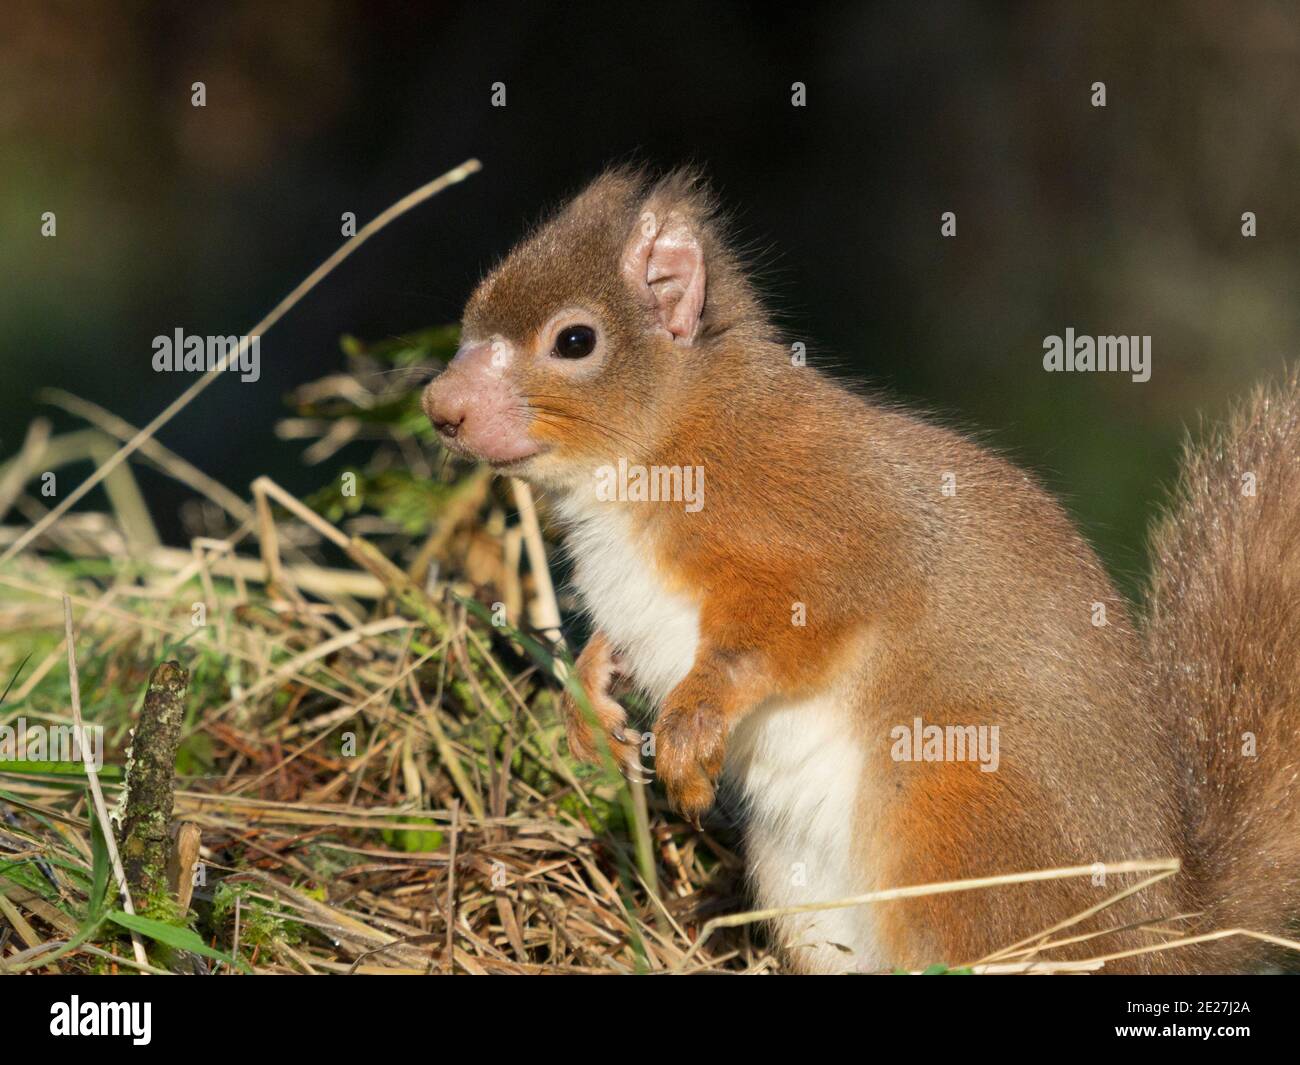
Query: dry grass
x=321, y=729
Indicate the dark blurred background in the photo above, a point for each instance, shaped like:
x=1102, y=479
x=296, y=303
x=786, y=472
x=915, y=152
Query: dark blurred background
x=1125, y=219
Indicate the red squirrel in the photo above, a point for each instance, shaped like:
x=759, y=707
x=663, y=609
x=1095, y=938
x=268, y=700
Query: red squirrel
x=823, y=578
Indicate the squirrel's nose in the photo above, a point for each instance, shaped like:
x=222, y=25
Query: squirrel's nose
x=445, y=407
x=449, y=425
x=476, y=410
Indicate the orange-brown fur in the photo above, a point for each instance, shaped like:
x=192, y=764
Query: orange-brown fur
x=972, y=608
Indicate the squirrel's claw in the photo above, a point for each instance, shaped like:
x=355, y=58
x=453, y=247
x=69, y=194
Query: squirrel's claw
x=689, y=745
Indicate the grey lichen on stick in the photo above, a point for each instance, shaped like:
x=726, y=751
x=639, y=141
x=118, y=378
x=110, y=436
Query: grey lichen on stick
x=150, y=784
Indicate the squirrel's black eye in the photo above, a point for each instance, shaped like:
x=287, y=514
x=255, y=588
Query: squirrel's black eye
x=575, y=342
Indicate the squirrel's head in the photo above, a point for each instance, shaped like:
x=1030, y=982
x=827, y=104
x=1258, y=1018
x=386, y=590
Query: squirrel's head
x=576, y=346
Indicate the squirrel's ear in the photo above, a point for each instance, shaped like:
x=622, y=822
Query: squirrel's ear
x=663, y=261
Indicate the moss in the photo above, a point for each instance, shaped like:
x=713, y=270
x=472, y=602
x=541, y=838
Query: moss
x=150, y=782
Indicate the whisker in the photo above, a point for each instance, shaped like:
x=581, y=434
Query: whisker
x=614, y=435
x=557, y=420
x=583, y=419
x=414, y=371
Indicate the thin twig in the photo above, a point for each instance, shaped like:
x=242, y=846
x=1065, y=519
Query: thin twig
x=547, y=608
x=451, y=887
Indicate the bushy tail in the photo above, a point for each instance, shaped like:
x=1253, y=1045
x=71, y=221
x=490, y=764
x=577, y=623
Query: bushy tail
x=1224, y=633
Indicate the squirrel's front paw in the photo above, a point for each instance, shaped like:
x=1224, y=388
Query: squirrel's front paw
x=690, y=742
x=596, y=669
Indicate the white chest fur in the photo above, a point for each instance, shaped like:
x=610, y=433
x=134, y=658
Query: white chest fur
x=615, y=573
x=794, y=764
x=799, y=772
